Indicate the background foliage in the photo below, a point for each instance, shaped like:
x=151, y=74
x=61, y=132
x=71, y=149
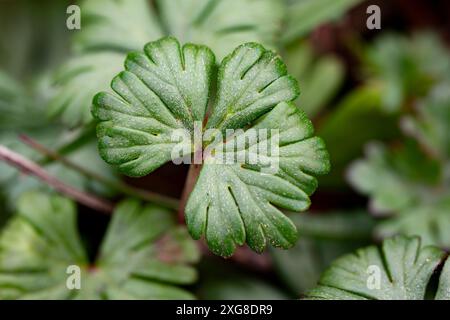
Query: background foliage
x=380, y=100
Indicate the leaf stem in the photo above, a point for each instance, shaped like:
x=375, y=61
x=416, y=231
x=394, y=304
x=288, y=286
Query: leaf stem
x=194, y=171
x=31, y=168
x=120, y=186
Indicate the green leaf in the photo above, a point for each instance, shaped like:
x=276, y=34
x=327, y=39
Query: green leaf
x=443, y=291
x=143, y=255
x=251, y=81
x=233, y=203
x=431, y=221
x=323, y=237
x=37, y=246
x=407, y=68
x=167, y=88
x=162, y=90
x=305, y=15
x=128, y=24
x=407, y=185
x=403, y=265
x=395, y=180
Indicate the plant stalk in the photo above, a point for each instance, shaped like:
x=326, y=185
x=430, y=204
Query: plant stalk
x=31, y=168
x=194, y=171
x=126, y=189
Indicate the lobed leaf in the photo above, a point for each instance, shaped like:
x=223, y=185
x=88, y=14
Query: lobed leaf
x=166, y=88
x=402, y=265
x=251, y=81
x=235, y=203
x=410, y=187
x=162, y=90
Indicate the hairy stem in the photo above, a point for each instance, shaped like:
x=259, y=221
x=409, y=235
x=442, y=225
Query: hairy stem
x=194, y=171
x=31, y=168
x=131, y=191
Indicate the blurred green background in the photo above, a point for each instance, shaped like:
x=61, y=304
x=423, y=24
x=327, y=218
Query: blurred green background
x=379, y=98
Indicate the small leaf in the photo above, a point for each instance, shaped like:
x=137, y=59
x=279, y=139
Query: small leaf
x=41, y=242
x=233, y=203
x=403, y=268
x=408, y=186
x=251, y=81
x=392, y=178
x=162, y=90
x=431, y=221
x=167, y=88
x=407, y=67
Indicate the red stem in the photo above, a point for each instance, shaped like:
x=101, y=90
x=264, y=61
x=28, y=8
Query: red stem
x=31, y=168
x=194, y=171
